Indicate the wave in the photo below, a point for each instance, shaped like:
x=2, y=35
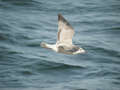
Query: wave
x=41, y=65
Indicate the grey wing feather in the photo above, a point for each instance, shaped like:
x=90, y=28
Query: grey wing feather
x=69, y=49
x=65, y=30
x=74, y=49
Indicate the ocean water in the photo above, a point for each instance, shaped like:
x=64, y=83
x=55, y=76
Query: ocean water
x=25, y=65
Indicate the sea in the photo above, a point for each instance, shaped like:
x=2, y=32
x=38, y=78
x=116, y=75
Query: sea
x=25, y=65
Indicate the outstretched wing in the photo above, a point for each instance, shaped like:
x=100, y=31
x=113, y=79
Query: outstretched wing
x=65, y=30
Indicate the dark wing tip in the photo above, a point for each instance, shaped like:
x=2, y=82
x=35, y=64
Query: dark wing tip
x=59, y=14
x=60, y=17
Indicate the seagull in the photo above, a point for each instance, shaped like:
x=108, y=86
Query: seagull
x=64, y=39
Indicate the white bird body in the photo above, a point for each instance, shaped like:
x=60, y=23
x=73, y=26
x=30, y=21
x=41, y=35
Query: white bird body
x=64, y=40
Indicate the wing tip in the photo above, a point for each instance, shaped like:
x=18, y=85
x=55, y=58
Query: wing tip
x=60, y=17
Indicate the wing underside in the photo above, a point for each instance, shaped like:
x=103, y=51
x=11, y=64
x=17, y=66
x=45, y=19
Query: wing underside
x=65, y=30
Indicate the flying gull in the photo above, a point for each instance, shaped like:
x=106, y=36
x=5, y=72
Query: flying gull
x=64, y=39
